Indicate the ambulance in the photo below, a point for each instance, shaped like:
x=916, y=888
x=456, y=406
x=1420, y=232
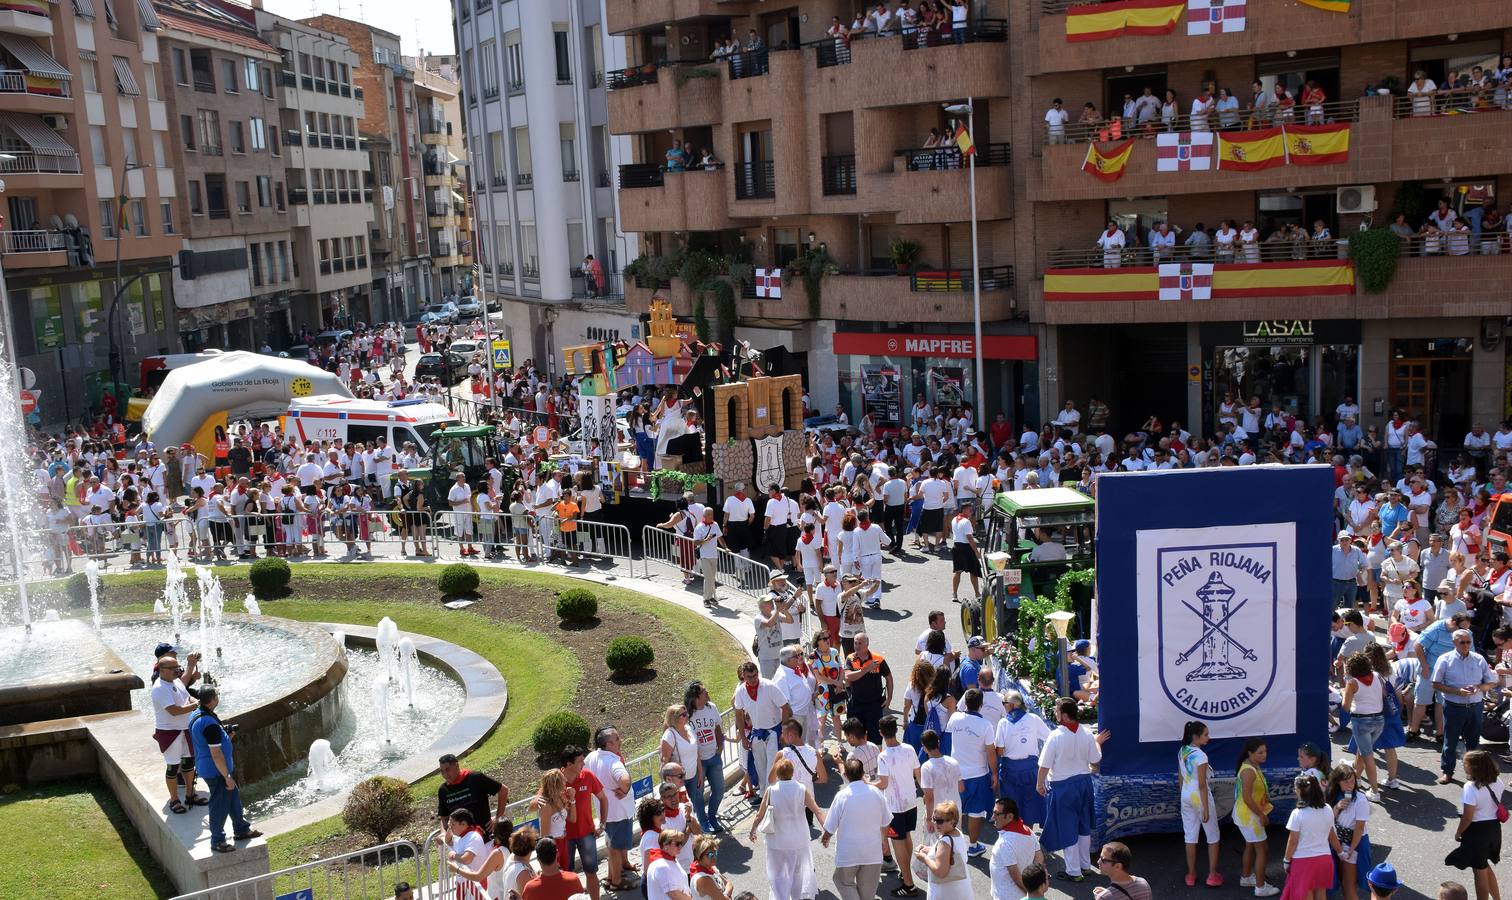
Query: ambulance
x=332, y=417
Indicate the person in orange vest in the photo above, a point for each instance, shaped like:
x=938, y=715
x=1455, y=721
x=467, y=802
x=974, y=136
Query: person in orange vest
x=118, y=439
x=222, y=452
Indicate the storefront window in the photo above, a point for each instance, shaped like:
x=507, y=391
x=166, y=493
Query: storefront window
x=1274, y=374
x=91, y=311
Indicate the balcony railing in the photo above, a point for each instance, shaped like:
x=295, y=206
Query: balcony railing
x=499, y=179
x=325, y=267
x=839, y=174
x=949, y=156
x=834, y=51
x=24, y=81
x=1456, y=102
x=640, y=175
x=755, y=181
x=611, y=291
x=298, y=197
x=1240, y=119
x=1275, y=250
x=628, y=78
x=514, y=87
x=748, y=63
x=23, y=163
x=292, y=138
x=286, y=78
x=994, y=278
x=524, y=179
x=571, y=176
x=31, y=241
x=220, y=213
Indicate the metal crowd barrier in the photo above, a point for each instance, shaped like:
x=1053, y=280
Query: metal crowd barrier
x=495, y=535
x=740, y=573
x=367, y=874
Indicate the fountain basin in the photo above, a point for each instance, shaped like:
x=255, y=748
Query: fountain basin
x=62, y=669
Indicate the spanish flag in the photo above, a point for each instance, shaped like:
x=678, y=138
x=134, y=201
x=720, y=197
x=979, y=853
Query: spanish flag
x=123, y=204
x=1108, y=166
x=1317, y=145
x=1100, y=21
x=963, y=140
x=1340, y=6
x=1250, y=151
x=1285, y=278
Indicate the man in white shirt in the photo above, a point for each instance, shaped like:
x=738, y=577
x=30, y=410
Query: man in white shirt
x=973, y=746
x=869, y=538
x=797, y=686
x=936, y=622
x=1019, y=737
x=460, y=499
x=1056, y=118
x=617, y=809
x=937, y=493
x=858, y=820
x=308, y=473
x=775, y=528
x=898, y=780
x=1065, y=781
x=1069, y=417
x=1016, y=849
x=760, y=708
x=706, y=535
x=738, y=513
x=171, y=706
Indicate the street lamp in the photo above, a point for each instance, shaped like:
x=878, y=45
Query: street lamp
x=1060, y=620
x=120, y=226
x=968, y=109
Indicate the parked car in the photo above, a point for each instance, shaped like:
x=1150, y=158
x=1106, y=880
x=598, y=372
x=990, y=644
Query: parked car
x=470, y=351
x=469, y=307
x=334, y=336
x=448, y=368
x=445, y=311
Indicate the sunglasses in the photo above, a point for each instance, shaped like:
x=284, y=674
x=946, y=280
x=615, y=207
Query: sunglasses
x=941, y=821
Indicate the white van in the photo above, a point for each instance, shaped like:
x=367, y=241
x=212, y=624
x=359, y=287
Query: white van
x=329, y=417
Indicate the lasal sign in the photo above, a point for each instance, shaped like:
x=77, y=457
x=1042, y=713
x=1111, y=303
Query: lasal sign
x=943, y=346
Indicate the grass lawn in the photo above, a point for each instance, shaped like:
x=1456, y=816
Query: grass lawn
x=73, y=840
x=542, y=672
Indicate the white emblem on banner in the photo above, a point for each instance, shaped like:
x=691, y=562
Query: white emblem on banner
x=1217, y=616
x=1215, y=16
x=769, y=467
x=769, y=284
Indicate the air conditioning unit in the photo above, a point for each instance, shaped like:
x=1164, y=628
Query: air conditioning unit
x=56, y=123
x=1358, y=198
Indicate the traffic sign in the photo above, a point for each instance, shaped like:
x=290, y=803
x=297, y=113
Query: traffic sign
x=28, y=403
x=501, y=355
x=28, y=378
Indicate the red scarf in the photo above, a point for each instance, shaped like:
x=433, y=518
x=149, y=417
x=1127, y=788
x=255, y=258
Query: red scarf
x=700, y=869
x=461, y=774
x=656, y=853
x=1018, y=827
x=808, y=537
x=1071, y=726
x=1366, y=679
x=753, y=690
x=740, y=495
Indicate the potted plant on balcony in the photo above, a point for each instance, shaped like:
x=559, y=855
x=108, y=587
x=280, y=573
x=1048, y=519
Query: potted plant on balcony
x=904, y=254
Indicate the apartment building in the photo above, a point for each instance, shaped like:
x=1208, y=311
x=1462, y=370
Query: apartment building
x=401, y=246
x=448, y=207
x=542, y=159
x=326, y=169
x=1431, y=342
x=819, y=149
x=239, y=270
x=84, y=132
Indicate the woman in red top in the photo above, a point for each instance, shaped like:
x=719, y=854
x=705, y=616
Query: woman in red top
x=1312, y=99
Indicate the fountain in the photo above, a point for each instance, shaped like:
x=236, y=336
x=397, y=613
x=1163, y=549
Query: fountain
x=409, y=666
x=322, y=764
x=19, y=510
x=92, y=575
x=388, y=646
x=175, y=600
x=380, y=692
x=254, y=609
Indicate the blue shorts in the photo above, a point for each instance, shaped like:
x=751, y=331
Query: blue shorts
x=621, y=834
x=585, y=848
x=976, y=799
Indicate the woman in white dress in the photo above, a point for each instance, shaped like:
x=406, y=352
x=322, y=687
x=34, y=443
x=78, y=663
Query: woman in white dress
x=679, y=745
x=1249, y=239
x=945, y=859
x=1224, y=238
x=790, y=864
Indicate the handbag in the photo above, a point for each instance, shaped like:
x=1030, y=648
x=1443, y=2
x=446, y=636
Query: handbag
x=769, y=822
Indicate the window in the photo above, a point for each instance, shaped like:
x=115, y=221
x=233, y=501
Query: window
x=237, y=136
x=201, y=71
x=167, y=209
x=196, y=200
x=180, y=66
x=107, y=218
x=563, y=55
x=514, y=61
x=264, y=190
x=504, y=251
x=150, y=72
x=138, y=219
x=97, y=145
x=528, y=260
x=568, y=138
x=283, y=261
x=249, y=70
x=467, y=69
x=209, y=131
x=228, y=75
x=304, y=63
x=89, y=71
x=159, y=154
x=267, y=81
x=187, y=132
x=215, y=196
x=325, y=251
x=259, y=133
x=129, y=145
x=575, y=245
x=256, y=257
x=278, y=193
x=522, y=152
x=488, y=53
x=243, y=197
x=346, y=74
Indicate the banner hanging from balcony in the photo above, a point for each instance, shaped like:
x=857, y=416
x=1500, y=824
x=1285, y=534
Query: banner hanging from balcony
x=1184, y=151
x=1109, y=165
x=1317, y=145
x=1340, y=6
x=1202, y=281
x=1251, y=151
x=769, y=284
x=1100, y=21
x=1206, y=17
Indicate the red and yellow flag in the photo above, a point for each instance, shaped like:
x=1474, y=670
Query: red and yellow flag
x=1330, y=5
x=963, y=140
x=1317, y=145
x=1110, y=165
x=1250, y=151
x=1288, y=278
x=1100, y=21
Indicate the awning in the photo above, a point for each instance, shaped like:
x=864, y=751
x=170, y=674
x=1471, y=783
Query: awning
x=32, y=58
x=458, y=198
x=148, y=16
x=35, y=133
x=84, y=8
x=125, y=81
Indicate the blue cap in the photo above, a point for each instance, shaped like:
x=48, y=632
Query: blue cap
x=1083, y=646
x=1383, y=877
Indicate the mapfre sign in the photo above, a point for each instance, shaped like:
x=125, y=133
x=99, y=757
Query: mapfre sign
x=943, y=346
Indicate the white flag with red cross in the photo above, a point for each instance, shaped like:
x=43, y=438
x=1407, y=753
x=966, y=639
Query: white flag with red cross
x=1184, y=151
x=769, y=284
x=1215, y=16
x=1186, y=281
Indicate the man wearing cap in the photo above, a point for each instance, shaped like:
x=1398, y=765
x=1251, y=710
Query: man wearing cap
x=769, y=618
x=1348, y=564
x=790, y=602
x=1462, y=676
x=966, y=676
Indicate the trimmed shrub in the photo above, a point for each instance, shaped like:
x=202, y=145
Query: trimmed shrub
x=378, y=806
x=577, y=605
x=629, y=655
x=269, y=576
x=458, y=579
x=76, y=588
x=558, y=730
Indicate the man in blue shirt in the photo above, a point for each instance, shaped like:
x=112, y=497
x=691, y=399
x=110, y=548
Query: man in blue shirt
x=1348, y=563
x=1463, y=677
x=1396, y=519
x=212, y=747
x=1348, y=434
x=1435, y=640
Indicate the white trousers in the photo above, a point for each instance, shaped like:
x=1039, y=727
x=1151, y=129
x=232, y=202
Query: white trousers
x=790, y=873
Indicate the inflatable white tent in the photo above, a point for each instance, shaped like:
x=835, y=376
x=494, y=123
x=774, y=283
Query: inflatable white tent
x=232, y=384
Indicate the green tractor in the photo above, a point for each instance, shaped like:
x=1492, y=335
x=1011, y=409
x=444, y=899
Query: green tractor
x=460, y=448
x=1028, y=540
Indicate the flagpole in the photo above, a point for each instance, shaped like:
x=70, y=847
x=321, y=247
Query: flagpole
x=976, y=274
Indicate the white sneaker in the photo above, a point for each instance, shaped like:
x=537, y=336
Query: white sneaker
x=1246, y=881
x=1374, y=796
x=1268, y=890
x=1392, y=784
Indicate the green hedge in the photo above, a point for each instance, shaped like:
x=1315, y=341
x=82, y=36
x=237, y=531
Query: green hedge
x=559, y=730
x=457, y=580
x=269, y=577
x=577, y=605
x=629, y=655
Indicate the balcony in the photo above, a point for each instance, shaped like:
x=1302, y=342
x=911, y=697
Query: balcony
x=610, y=293
x=929, y=297
x=927, y=186
x=633, y=77
x=1430, y=132
x=34, y=84
x=636, y=15
x=28, y=17
x=40, y=170
x=298, y=197
x=755, y=180
x=33, y=249
x=838, y=174
x=674, y=201
x=843, y=78
x=286, y=78
x=524, y=180
x=1272, y=26
x=640, y=175
x=680, y=97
